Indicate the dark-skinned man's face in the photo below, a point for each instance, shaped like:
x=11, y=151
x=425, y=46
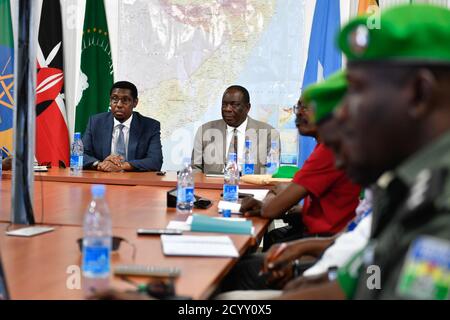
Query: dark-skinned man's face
x=329, y=132
x=122, y=104
x=304, y=120
x=234, y=108
x=373, y=123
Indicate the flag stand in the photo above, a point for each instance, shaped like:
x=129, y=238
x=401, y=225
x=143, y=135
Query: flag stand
x=24, y=116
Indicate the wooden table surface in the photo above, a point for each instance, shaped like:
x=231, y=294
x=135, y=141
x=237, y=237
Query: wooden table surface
x=132, y=178
x=36, y=267
x=130, y=206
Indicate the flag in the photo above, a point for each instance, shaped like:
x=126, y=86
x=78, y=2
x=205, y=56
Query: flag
x=324, y=58
x=52, y=134
x=96, y=77
x=364, y=5
x=6, y=77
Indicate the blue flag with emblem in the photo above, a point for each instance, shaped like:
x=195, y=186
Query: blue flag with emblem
x=6, y=77
x=324, y=58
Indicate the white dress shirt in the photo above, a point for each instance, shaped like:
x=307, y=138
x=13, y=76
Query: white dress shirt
x=348, y=243
x=126, y=134
x=241, y=140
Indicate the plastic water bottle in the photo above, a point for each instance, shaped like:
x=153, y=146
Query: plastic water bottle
x=97, y=241
x=249, y=161
x=231, y=179
x=76, y=154
x=185, y=188
x=273, y=159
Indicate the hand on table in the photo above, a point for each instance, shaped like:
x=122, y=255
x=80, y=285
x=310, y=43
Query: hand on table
x=108, y=166
x=251, y=207
x=116, y=159
x=280, y=257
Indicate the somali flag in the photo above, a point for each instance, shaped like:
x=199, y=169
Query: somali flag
x=324, y=58
x=6, y=77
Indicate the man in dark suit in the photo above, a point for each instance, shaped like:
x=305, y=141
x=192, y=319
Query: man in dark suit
x=122, y=140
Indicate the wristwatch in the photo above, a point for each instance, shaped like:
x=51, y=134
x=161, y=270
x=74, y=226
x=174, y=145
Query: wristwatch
x=95, y=164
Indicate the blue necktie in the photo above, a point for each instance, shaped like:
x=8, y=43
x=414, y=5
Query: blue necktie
x=120, y=144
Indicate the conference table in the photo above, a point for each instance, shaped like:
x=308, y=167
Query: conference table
x=169, y=179
x=37, y=267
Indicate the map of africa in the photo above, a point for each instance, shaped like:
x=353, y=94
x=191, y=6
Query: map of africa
x=182, y=55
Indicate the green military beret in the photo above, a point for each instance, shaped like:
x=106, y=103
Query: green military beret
x=325, y=96
x=417, y=33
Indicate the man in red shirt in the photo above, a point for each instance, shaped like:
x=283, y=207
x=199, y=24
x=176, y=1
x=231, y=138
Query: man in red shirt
x=330, y=198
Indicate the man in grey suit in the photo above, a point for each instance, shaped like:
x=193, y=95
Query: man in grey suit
x=215, y=139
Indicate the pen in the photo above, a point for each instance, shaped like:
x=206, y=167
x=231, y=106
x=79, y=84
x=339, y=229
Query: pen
x=273, y=257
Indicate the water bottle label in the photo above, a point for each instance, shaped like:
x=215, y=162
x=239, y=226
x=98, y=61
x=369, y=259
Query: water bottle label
x=74, y=159
x=271, y=168
x=249, y=168
x=230, y=192
x=96, y=260
x=185, y=194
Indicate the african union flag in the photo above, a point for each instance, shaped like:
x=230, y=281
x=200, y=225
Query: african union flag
x=6, y=76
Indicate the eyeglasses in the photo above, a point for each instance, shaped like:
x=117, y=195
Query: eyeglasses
x=296, y=108
x=116, y=241
x=234, y=105
x=125, y=100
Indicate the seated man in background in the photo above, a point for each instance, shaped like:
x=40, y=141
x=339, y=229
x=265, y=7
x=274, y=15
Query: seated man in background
x=275, y=268
x=122, y=140
x=216, y=139
x=330, y=198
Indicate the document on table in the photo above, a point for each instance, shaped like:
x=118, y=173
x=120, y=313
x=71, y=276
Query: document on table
x=186, y=225
x=234, y=207
x=258, y=194
x=205, y=246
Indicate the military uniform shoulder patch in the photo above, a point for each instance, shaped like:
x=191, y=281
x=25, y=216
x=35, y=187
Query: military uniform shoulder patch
x=426, y=270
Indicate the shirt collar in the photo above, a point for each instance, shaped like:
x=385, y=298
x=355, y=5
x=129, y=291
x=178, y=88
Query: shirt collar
x=126, y=123
x=240, y=129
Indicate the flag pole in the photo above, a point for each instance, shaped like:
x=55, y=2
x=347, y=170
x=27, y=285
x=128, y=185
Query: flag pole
x=24, y=115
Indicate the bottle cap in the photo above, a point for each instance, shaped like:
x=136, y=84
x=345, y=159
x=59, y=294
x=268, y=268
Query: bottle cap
x=226, y=213
x=77, y=135
x=186, y=161
x=98, y=190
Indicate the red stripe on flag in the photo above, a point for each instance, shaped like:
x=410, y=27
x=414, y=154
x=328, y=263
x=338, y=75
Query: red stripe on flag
x=53, y=136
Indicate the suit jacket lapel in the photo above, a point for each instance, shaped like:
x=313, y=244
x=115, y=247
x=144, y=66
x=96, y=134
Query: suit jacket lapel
x=107, y=132
x=223, y=129
x=250, y=125
x=135, y=133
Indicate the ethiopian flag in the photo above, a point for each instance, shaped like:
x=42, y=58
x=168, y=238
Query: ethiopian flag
x=6, y=77
x=96, y=76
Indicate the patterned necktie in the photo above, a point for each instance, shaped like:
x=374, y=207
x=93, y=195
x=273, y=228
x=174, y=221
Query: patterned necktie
x=120, y=143
x=233, y=143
